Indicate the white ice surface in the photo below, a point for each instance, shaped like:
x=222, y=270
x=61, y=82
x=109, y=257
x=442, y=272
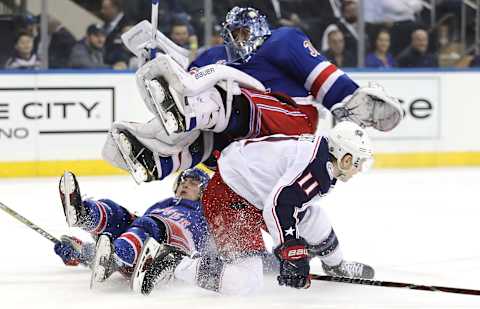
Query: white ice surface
x=418, y=226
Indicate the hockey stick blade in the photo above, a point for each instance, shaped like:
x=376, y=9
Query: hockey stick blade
x=391, y=284
x=28, y=223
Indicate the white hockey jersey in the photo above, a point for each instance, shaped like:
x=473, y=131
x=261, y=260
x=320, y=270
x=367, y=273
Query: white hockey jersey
x=284, y=176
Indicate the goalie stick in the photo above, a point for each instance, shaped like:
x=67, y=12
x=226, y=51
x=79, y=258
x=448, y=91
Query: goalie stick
x=28, y=223
x=391, y=284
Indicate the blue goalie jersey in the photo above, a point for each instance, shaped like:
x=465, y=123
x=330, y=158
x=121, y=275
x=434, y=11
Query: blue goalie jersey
x=288, y=63
x=187, y=213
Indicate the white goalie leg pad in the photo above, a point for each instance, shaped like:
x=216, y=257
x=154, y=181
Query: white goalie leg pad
x=170, y=153
x=370, y=107
x=112, y=154
x=182, y=85
x=152, y=134
x=139, y=40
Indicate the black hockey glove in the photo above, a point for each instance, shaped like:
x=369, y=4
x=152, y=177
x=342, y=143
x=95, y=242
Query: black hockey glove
x=294, y=264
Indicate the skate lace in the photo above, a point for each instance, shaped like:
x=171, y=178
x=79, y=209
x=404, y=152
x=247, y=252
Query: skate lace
x=351, y=269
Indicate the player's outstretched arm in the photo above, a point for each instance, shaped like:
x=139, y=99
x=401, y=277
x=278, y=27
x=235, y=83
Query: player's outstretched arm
x=73, y=251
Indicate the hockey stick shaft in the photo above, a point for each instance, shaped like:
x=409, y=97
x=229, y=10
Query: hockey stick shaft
x=28, y=223
x=154, y=18
x=391, y=284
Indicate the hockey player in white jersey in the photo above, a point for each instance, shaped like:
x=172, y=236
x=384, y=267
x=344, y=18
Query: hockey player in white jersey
x=276, y=183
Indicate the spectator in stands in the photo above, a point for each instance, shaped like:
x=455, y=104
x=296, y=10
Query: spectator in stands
x=89, y=52
x=337, y=54
x=123, y=59
x=399, y=16
x=417, y=55
x=216, y=39
x=475, y=61
x=115, y=20
x=29, y=24
x=61, y=44
x=294, y=20
x=180, y=34
x=23, y=56
x=380, y=57
x=347, y=24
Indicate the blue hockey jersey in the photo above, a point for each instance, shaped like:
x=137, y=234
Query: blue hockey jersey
x=187, y=213
x=287, y=62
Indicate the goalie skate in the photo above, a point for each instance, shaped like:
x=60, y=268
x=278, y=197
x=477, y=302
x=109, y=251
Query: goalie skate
x=349, y=270
x=167, y=110
x=103, y=265
x=71, y=199
x=139, y=159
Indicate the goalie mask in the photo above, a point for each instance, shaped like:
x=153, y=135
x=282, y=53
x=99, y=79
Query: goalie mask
x=244, y=30
x=192, y=173
x=349, y=138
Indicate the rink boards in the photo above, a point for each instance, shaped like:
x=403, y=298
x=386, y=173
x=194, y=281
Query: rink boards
x=51, y=121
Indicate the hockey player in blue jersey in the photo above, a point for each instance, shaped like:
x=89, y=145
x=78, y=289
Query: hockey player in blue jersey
x=283, y=60
x=210, y=99
x=176, y=221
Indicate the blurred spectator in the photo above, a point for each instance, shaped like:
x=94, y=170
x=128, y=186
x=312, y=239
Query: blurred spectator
x=397, y=15
x=23, y=56
x=179, y=33
x=449, y=52
x=122, y=58
x=347, y=24
x=216, y=39
x=294, y=20
x=89, y=52
x=115, y=20
x=61, y=44
x=29, y=24
x=337, y=54
x=417, y=55
x=380, y=57
x=475, y=61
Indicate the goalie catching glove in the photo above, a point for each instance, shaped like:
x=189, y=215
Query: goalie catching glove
x=294, y=264
x=370, y=107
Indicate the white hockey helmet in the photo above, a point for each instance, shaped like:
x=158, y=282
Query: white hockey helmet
x=349, y=138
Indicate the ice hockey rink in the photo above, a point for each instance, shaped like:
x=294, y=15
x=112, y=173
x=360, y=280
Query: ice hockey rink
x=412, y=225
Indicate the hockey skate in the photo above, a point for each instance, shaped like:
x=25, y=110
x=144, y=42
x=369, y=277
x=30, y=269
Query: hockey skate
x=156, y=265
x=69, y=190
x=349, y=270
x=166, y=109
x=139, y=159
x=103, y=265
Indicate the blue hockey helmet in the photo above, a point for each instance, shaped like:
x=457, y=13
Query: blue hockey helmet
x=192, y=173
x=256, y=30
